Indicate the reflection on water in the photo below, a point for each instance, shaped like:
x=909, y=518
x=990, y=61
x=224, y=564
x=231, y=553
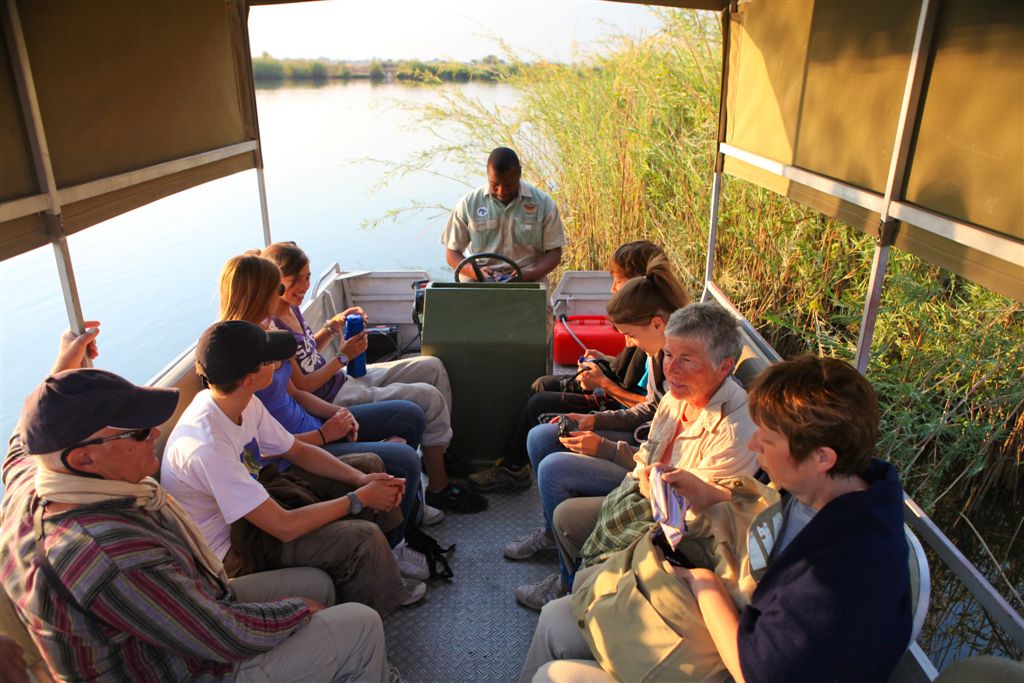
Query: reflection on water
x=150, y=275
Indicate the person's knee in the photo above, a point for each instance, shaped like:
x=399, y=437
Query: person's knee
x=351, y=618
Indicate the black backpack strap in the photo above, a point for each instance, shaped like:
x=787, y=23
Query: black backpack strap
x=44, y=563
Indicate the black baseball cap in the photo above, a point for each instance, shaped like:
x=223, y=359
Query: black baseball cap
x=70, y=406
x=230, y=350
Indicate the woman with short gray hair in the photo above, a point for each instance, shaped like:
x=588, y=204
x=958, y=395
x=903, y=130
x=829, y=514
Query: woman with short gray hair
x=701, y=425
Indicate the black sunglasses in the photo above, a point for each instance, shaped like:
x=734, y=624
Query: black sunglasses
x=136, y=434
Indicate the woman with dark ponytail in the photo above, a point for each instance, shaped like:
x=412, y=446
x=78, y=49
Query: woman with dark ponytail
x=602, y=446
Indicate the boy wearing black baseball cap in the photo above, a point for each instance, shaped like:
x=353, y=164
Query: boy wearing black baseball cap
x=225, y=436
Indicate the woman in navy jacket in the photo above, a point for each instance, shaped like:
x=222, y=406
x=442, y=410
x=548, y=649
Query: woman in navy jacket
x=834, y=604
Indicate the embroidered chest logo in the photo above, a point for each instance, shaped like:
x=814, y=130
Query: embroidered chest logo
x=530, y=208
x=481, y=212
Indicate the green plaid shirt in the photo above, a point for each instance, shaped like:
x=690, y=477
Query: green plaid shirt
x=625, y=516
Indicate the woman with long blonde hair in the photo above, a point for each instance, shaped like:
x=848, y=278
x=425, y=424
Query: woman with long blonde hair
x=249, y=285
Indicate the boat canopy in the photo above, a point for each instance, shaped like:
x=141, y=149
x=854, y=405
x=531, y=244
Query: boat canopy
x=108, y=105
x=904, y=119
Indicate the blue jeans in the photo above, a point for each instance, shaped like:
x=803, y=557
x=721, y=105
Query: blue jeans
x=562, y=475
x=379, y=421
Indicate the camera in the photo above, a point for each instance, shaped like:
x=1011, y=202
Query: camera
x=567, y=425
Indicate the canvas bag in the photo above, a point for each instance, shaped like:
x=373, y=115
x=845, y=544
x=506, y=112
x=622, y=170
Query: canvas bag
x=643, y=624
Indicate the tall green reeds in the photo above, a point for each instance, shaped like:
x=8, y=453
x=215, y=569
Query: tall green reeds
x=624, y=141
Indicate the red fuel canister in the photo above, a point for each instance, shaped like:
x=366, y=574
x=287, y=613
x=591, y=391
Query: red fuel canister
x=595, y=331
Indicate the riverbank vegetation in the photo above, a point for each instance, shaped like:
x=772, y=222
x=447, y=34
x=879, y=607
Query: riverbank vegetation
x=268, y=69
x=625, y=141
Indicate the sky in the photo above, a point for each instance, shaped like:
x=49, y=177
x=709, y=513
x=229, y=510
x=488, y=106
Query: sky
x=460, y=30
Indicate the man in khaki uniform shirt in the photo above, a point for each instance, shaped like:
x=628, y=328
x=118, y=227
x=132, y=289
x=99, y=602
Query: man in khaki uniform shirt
x=509, y=217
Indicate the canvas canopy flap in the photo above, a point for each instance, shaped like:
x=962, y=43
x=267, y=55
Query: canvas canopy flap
x=818, y=87
x=137, y=100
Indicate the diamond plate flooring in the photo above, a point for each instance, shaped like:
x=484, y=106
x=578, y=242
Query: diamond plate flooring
x=471, y=628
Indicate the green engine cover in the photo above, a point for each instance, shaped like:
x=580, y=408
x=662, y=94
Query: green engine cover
x=494, y=341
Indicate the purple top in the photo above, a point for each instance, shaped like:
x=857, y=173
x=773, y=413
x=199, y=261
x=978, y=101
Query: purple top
x=285, y=409
x=309, y=358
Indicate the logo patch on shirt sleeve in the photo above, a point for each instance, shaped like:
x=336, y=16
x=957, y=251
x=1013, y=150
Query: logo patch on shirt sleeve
x=481, y=212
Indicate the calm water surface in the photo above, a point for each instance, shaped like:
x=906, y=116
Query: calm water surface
x=150, y=276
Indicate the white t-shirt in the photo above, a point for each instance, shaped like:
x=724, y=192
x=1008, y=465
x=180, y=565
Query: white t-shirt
x=210, y=464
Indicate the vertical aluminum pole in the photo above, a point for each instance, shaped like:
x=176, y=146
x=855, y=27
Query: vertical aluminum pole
x=716, y=182
x=263, y=203
x=896, y=182
x=709, y=266
x=18, y=51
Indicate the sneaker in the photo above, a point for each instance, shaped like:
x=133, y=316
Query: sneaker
x=530, y=544
x=456, y=498
x=536, y=595
x=411, y=563
x=416, y=589
x=502, y=476
x=431, y=516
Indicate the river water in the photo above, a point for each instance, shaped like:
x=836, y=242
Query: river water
x=150, y=276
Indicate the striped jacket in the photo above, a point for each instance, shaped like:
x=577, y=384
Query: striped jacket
x=155, y=615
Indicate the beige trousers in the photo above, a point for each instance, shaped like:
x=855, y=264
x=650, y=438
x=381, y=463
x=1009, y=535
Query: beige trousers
x=341, y=643
x=420, y=379
x=573, y=522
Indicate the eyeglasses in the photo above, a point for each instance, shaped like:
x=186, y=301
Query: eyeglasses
x=135, y=434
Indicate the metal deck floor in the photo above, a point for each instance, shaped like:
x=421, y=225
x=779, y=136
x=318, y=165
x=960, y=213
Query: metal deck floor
x=471, y=628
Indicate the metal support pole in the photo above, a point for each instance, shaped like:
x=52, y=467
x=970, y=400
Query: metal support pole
x=18, y=51
x=910, y=110
x=879, y=263
x=261, y=181
x=709, y=266
x=716, y=182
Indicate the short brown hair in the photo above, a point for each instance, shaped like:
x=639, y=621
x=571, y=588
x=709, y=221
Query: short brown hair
x=632, y=257
x=655, y=293
x=818, y=402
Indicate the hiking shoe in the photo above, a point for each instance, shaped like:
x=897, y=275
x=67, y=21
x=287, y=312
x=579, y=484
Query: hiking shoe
x=411, y=563
x=502, y=476
x=456, y=498
x=530, y=544
x=431, y=516
x=416, y=589
x=536, y=595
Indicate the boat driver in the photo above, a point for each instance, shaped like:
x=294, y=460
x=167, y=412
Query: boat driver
x=506, y=216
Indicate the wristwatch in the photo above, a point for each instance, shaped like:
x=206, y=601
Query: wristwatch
x=355, y=506
x=343, y=359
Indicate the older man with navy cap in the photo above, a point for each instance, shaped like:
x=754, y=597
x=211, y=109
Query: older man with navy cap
x=112, y=578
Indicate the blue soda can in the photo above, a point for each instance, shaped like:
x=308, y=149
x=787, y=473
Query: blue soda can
x=353, y=326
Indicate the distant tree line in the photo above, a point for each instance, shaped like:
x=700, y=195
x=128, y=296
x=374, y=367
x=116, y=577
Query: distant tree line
x=266, y=68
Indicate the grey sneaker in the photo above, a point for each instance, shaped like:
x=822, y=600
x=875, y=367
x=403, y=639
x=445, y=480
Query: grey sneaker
x=530, y=544
x=431, y=516
x=411, y=563
x=502, y=476
x=536, y=595
x=417, y=589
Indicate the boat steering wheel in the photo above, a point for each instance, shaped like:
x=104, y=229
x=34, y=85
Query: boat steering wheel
x=474, y=259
